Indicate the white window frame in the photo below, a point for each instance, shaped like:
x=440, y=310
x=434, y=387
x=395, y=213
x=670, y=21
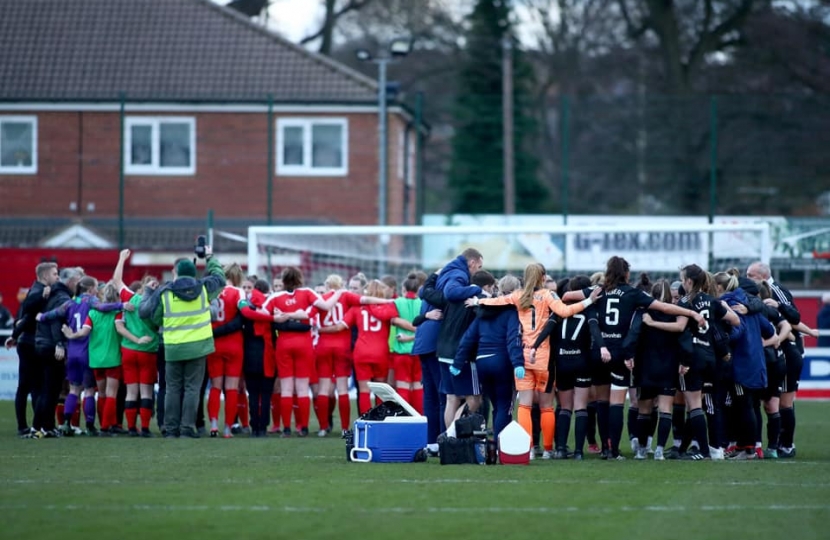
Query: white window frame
x=30, y=169
x=306, y=169
x=155, y=168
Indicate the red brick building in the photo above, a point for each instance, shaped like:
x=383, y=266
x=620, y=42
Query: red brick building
x=190, y=98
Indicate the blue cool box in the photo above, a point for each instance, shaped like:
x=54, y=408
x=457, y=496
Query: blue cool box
x=391, y=440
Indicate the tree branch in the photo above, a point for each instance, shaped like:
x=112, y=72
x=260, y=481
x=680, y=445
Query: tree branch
x=353, y=5
x=633, y=31
x=710, y=40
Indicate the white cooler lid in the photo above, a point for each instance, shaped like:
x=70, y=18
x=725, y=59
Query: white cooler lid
x=387, y=393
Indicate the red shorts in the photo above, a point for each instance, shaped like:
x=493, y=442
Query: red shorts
x=407, y=368
x=295, y=361
x=108, y=373
x=139, y=367
x=224, y=364
x=372, y=368
x=334, y=363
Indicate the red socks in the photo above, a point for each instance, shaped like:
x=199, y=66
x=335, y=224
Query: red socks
x=344, y=404
x=303, y=412
x=242, y=409
x=109, y=413
x=131, y=412
x=146, y=415
x=418, y=399
x=102, y=399
x=286, y=408
x=76, y=417
x=231, y=399
x=276, y=402
x=213, y=403
x=59, y=413
x=364, y=403
x=332, y=405
x=321, y=409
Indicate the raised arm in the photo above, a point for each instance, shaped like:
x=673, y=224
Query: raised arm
x=118, y=273
x=214, y=281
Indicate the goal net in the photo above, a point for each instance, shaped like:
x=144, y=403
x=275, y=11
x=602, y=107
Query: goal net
x=659, y=247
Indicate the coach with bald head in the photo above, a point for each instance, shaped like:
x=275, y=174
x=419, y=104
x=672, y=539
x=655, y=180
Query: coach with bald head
x=782, y=300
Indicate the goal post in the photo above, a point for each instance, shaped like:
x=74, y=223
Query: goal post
x=661, y=247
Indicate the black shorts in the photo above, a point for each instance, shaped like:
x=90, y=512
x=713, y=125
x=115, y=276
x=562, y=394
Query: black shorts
x=573, y=374
x=795, y=364
x=600, y=372
x=776, y=372
x=651, y=392
x=701, y=371
x=620, y=375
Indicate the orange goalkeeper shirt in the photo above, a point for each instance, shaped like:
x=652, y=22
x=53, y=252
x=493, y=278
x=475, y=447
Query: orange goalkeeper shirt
x=534, y=318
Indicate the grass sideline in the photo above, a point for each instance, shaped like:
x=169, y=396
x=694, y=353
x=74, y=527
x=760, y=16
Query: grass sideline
x=304, y=488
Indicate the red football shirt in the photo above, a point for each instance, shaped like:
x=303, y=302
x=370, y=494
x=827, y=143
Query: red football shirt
x=290, y=302
x=229, y=300
x=373, y=325
x=341, y=340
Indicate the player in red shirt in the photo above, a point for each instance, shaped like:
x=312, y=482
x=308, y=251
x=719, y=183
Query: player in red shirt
x=224, y=365
x=371, y=351
x=295, y=350
x=334, y=351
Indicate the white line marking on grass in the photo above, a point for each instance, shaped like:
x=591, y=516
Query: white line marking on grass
x=415, y=510
x=511, y=481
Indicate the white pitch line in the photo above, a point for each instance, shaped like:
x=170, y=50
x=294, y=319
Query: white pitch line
x=511, y=481
x=415, y=510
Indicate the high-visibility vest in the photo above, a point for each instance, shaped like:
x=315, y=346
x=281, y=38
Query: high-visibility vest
x=186, y=321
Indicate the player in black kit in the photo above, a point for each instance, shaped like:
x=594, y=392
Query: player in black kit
x=702, y=363
x=612, y=375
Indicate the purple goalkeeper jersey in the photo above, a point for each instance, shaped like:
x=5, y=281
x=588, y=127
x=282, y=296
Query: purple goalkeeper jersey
x=75, y=313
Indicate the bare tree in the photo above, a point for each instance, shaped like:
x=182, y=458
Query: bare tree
x=334, y=11
x=688, y=31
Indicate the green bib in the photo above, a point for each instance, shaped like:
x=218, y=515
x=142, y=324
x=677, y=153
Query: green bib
x=139, y=328
x=104, y=341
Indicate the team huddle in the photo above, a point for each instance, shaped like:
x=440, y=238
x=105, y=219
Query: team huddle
x=697, y=358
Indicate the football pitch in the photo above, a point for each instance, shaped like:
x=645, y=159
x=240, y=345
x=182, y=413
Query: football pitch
x=304, y=488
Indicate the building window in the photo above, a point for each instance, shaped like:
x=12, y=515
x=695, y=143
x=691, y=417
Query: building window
x=160, y=145
x=18, y=144
x=312, y=146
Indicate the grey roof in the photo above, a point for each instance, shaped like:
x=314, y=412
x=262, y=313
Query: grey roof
x=159, y=50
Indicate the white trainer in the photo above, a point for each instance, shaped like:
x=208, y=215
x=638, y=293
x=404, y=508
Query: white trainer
x=547, y=454
x=658, y=454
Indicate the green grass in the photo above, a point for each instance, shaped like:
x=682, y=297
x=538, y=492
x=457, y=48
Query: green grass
x=304, y=488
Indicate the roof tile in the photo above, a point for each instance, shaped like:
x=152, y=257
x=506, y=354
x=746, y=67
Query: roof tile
x=159, y=50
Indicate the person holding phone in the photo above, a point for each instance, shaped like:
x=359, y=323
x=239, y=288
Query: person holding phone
x=181, y=309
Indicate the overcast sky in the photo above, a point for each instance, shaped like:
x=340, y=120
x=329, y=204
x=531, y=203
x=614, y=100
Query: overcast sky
x=296, y=19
